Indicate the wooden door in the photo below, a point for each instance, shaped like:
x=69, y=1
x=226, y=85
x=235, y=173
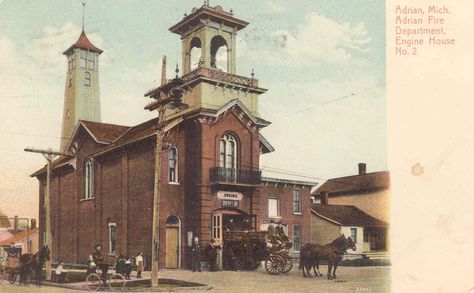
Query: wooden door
x=171, y=247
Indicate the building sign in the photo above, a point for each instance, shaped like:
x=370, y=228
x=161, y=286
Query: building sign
x=230, y=203
x=229, y=195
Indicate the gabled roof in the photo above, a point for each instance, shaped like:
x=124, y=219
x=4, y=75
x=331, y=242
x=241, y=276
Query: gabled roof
x=245, y=110
x=355, y=184
x=19, y=236
x=103, y=133
x=345, y=215
x=83, y=43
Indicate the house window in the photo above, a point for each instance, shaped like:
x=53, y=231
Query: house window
x=354, y=234
x=87, y=79
x=297, y=237
x=273, y=207
x=172, y=164
x=228, y=152
x=296, y=201
x=112, y=237
x=89, y=179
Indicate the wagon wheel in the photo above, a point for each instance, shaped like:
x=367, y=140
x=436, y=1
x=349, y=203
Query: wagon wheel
x=287, y=264
x=273, y=264
x=2, y=274
x=116, y=281
x=93, y=282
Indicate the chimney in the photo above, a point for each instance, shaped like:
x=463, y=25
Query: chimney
x=163, y=70
x=33, y=224
x=362, y=168
x=15, y=223
x=324, y=198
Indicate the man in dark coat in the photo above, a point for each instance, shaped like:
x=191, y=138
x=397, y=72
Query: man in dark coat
x=196, y=255
x=100, y=262
x=212, y=254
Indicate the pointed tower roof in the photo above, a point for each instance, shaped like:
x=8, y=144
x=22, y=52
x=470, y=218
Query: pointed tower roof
x=83, y=43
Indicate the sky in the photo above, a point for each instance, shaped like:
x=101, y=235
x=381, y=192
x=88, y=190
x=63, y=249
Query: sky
x=323, y=63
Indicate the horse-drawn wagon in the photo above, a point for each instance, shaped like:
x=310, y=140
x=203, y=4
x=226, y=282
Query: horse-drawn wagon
x=245, y=250
x=10, y=269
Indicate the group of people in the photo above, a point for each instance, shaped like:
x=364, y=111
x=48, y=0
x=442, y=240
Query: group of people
x=196, y=253
x=123, y=265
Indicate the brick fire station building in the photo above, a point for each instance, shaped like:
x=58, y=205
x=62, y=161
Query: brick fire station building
x=211, y=179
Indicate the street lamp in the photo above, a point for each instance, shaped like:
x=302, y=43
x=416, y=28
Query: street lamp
x=168, y=96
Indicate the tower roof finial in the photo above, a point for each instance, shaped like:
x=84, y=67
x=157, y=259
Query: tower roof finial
x=83, y=13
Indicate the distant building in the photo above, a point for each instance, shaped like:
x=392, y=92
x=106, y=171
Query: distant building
x=330, y=221
x=20, y=237
x=26, y=241
x=369, y=192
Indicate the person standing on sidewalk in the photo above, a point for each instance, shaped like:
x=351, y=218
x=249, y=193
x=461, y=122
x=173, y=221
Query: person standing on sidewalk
x=196, y=255
x=212, y=253
x=140, y=264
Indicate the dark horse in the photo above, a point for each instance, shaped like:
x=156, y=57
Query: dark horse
x=311, y=254
x=34, y=262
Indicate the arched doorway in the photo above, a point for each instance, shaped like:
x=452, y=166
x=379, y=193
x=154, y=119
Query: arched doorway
x=224, y=224
x=173, y=242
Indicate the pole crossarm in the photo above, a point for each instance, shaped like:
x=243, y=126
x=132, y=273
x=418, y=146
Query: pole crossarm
x=46, y=152
x=49, y=155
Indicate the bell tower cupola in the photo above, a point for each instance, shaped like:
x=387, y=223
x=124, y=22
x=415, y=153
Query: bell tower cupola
x=81, y=95
x=208, y=37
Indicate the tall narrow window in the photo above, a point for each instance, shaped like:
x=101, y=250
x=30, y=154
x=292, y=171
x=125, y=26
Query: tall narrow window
x=273, y=208
x=296, y=201
x=297, y=237
x=217, y=228
x=354, y=234
x=90, y=61
x=172, y=164
x=112, y=238
x=83, y=59
x=89, y=179
x=228, y=152
x=87, y=79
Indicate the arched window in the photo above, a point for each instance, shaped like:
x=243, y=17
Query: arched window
x=195, y=53
x=87, y=79
x=228, y=152
x=173, y=165
x=219, y=56
x=89, y=179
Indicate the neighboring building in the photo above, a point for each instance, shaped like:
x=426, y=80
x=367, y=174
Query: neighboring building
x=369, y=192
x=18, y=235
x=81, y=95
x=26, y=241
x=330, y=221
x=211, y=179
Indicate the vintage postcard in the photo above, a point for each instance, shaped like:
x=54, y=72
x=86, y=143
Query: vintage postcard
x=236, y=146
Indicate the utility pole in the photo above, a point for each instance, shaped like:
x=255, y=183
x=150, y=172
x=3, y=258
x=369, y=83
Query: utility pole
x=167, y=96
x=49, y=155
